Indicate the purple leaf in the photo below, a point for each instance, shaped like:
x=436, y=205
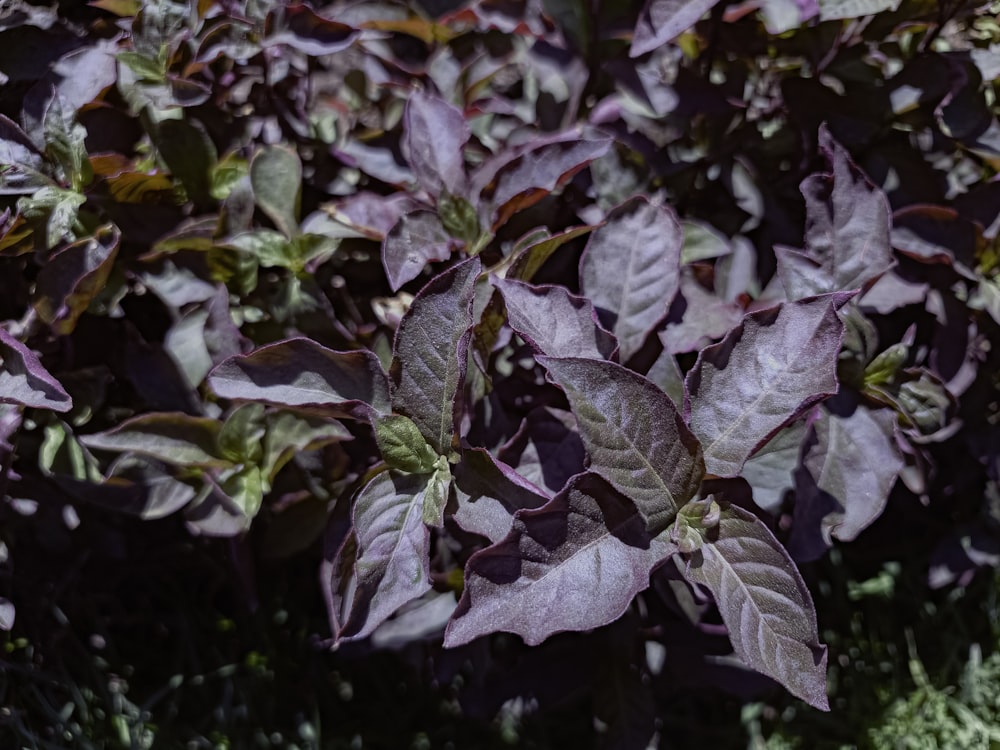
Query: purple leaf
x=630, y=270
x=553, y=321
x=490, y=493
x=73, y=276
x=574, y=564
x=850, y=469
x=770, y=471
x=173, y=438
x=301, y=28
x=633, y=434
x=415, y=240
x=434, y=135
x=762, y=375
x=547, y=449
x=764, y=604
x=392, y=566
x=664, y=20
x=705, y=320
x=25, y=382
x=430, y=353
x=301, y=373
x=847, y=230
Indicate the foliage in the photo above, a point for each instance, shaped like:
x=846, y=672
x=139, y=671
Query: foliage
x=601, y=325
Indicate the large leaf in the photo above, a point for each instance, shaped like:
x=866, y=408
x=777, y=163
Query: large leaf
x=416, y=239
x=301, y=373
x=847, y=230
x=430, y=353
x=574, y=564
x=850, y=469
x=764, y=603
x=663, y=20
x=24, y=381
x=434, y=134
x=634, y=435
x=761, y=376
x=392, y=566
x=631, y=268
x=555, y=322
x=173, y=438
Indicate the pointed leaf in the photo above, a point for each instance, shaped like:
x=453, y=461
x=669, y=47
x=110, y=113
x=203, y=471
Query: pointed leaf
x=847, y=230
x=24, y=381
x=771, y=470
x=392, y=565
x=663, y=20
x=634, y=435
x=762, y=375
x=301, y=373
x=301, y=28
x=547, y=449
x=174, y=438
x=402, y=446
x=574, y=564
x=434, y=135
x=276, y=177
x=631, y=270
x=430, y=353
x=764, y=603
x=414, y=241
x=553, y=321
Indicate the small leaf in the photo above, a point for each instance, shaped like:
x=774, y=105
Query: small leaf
x=634, y=435
x=831, y=10
x=434, y=134
x=392, y=566
x=574, y=564
x=459, y=218
x=173, y=438
x=190, y=155
x=301, y=373
x=402, y=446
x=630, y=270
x=430, y=354
x=276, y=177
x=415, y=240
x=760, y=377
x=436, y=493
x=25, y=382
x=663, y=20
x=241, y=438
x=553, y=321
x=764, y=604
x=884, y=367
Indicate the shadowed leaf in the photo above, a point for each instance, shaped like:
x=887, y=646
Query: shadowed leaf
x=663, y=20
x=415, y=240
x=25, y=382
x=173, y=438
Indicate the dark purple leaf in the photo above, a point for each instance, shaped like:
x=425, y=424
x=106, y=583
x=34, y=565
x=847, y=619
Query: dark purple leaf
x=524, y=262
x=847, y=230
x=489, y=494
x=663, y=20
x=634, y=435
x=73, y=276
x=25, y=382
x=574, y=564
x=765, y=373
x=706, y=319
x=362, y=214
x=434, y=134
x=553, y=321
x=392, y=566
x=936, y=234
x=770, y=471
x=764, y=603
x=173, y=438
x=430, y=354
x=138, y=486
x=547, y=449
x=631, y=268
x=414, y=241
x=301, y=373
x=301, y=28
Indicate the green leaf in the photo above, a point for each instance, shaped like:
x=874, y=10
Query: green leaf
x=246, y=488
x=270, y=249
x=174, y=438
x=436, y=493
x=276, y=176
x=884, y=367
x=240, y=439
x=459, y=217
x=402, y=446
x=190, y=155
x=65, y=143
x=288, y=434
x=231, y=169
x=145, y=68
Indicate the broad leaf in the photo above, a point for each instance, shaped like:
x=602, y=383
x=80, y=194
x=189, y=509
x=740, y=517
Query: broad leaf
x=434, y=134
x=430, y=354
x=764, y=603
x=276, y=177
x=173, y=438
x=25, y=382
x=634, y=435
x=414, y=241
x=554, y=322
x=301, y=373
x=300, y=27
x=547, y=449
x=762, y=375
x=574, y=564
x=663, y=20
x=401, y=444
x=770, y=471
x=191, y=156
x=392, y=566
x=630, y=270
x=847, y=230
x=290, y=434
